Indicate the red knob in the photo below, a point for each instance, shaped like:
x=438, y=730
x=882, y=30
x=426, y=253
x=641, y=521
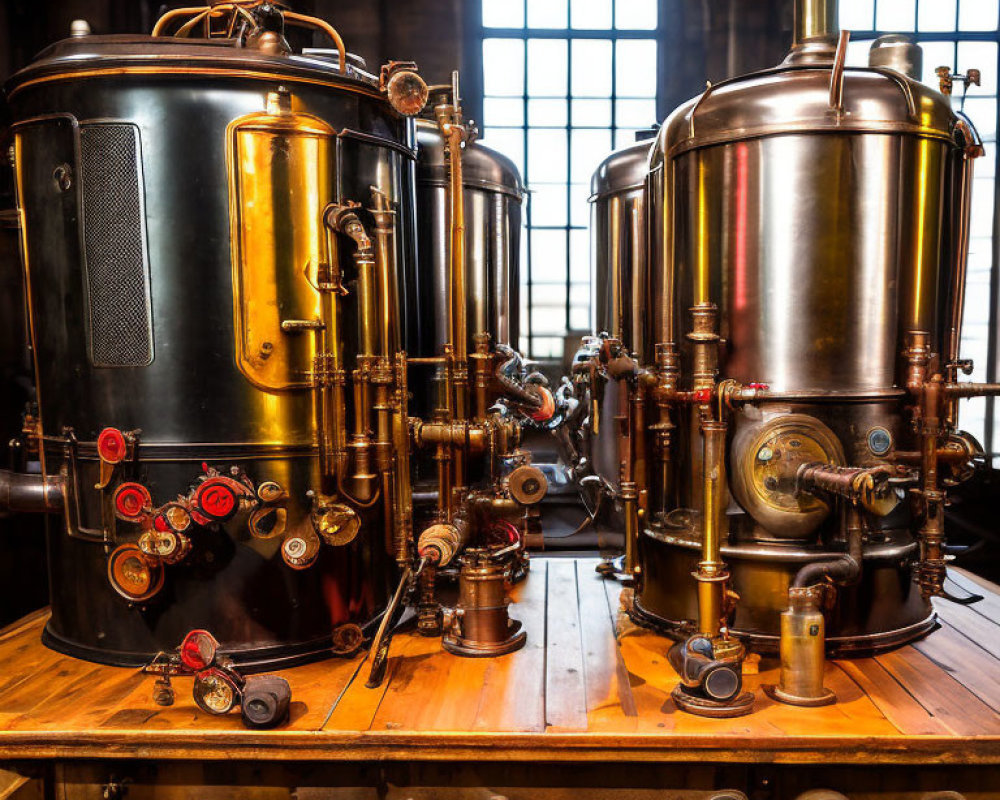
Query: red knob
x=132, y=500
x=111, y=445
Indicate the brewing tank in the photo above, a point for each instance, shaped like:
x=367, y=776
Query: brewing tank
x=494, y=196
x=619, y=273
x=172, y=194
x=819, y=213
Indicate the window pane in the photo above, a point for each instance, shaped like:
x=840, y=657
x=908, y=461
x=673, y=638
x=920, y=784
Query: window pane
x=626, y=136
x=579, y=256
x=579, y=306
x=857, y=15
x=981, y=56
x=546, y=156
x=937, y=54
x=857, y=52
x=895, y=15
x=589, y=149
x=982, y=207
x=548, y=203
x=509, y=141
x=503, y=67
x=503, y=13
x=547, y=113
x=503, y=111
x=983, y=113
x=592, y=113
x=547, y=347
x=978, y=15
x=591, y=14
x=548, y=265
x=635, y=14
x=592, y=68
x=547, y=66
x=546, y=13
x=635, y=113
x=936, y=15
x=636, y=68
x=579, y=207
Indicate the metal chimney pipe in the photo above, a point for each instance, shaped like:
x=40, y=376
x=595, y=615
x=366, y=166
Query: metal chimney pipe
x=815, y=20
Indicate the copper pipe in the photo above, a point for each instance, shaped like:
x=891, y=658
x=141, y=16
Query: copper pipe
x=28, y=493
x=837, y=73
x=931, y=570
x=314, y=22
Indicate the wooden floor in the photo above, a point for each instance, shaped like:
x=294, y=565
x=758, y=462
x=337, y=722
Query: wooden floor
x=588, y=685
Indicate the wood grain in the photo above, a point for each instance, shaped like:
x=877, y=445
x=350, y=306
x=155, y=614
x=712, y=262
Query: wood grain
x=588, y=685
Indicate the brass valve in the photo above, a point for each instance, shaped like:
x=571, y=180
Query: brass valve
x=946, y=79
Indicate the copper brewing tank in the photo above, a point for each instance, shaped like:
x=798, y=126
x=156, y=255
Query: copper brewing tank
x=823, y=211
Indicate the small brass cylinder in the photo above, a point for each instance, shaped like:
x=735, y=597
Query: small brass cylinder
x=815, y=19
x=803, y=651
x=711, y=570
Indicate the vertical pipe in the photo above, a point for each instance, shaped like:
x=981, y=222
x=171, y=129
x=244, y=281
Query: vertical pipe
x=815, y=19
x=711, y=570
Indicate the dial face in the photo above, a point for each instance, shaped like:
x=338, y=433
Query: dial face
x=214, y=693
x=162, y=544
x=134, y=574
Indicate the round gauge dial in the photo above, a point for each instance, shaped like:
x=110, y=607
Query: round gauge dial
x=133, y=574
x=214, y=692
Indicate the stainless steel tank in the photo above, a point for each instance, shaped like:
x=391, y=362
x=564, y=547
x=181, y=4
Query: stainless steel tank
x=805, y=222
x=494, y=196
x=619, y=278
x=172, y=193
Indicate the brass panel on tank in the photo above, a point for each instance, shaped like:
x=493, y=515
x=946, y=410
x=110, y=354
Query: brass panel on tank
x=280, y=181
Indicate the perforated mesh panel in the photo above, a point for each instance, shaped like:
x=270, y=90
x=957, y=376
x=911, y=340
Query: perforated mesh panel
x=114, y=237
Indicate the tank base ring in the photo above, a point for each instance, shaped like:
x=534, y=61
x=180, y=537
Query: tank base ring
x=248, y=661
x=826, y=699
x=703, y=707
x=836, y=647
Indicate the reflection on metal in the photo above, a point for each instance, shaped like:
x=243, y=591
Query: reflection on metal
x=820, y=214
x=280, y=169
x=257, y=463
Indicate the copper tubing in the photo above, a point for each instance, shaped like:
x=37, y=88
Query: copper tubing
x=704, y=337
x=636, y=513
x=385, y=261
x=837, y=73
x=328, y=374
x=404, y=490
x=711, y=574
x=960, y=267
x=205, y=12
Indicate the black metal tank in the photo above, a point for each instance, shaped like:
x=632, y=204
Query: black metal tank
x=171, y=193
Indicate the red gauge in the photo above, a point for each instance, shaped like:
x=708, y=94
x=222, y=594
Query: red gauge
x=133, y=574
x=216, y=499
x=132, y=500
x=111, y=445
x=548, y=407
x=502, y=533
x=214, y=691
x=198, y=650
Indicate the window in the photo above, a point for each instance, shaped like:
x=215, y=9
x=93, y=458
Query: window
x=961, y=34
x=564, y=82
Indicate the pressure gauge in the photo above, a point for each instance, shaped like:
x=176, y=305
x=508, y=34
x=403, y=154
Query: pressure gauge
x=215, y=692
x=135, y=575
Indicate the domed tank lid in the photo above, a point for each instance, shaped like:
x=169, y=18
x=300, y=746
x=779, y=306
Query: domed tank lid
x=796, y=100
x=624, y=169
x=482, y=166
x=899, y=52
x=263, y=51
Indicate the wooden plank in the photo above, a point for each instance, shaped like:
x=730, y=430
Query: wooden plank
x=949, y=701
x=610, y=705
x=989, y=606
x=513, y=690
x=966, y=661
x=565, y=692
x=900, y=707
x=971, y=623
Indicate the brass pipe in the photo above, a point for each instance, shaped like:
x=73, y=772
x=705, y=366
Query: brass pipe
x=931, y=571
x=815, y=19
x=637, y=442
x=328, y=374
x=711, y=574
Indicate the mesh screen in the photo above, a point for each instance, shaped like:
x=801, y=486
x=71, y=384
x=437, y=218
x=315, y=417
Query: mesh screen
x=114, y=237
